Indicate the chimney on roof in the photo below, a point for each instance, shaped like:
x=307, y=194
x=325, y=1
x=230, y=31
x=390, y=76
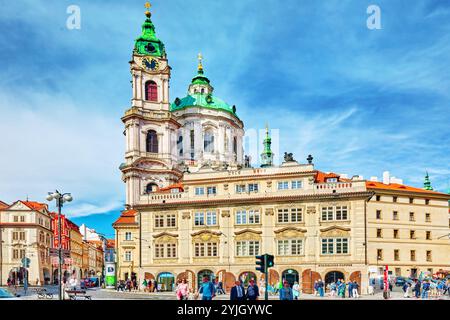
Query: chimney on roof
x=386, y=177
x=374, y=179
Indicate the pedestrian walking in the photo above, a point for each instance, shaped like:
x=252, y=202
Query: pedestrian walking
x=425, y=289
x=350, y=289
x=237, y=292
x=316, y=288
x=406, y=289
x=182, y=290
x=333, y=288
x=206, y=289
x=286, y=292
x=220, y=289
x=296, y=290
x=355, y=288
x=416, y=288
x=321, y=288
x=252, y=290
x=341, y=289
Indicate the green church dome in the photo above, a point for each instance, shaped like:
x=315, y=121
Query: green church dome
x=200, y=95
x=202, y=100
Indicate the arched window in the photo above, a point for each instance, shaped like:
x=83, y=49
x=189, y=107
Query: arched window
x=180, y=145
x=151, y=187
x=152, y=141
x=151, y=91
x=209, y=141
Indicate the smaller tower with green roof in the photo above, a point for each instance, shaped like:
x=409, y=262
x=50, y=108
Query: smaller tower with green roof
x=267, y=155
x=427, y=183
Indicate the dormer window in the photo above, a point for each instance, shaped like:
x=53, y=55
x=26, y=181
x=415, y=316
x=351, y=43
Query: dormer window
x=332, y=180
x=151, y=91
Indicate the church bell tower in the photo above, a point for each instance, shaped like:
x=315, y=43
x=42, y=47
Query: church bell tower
x=150, y=128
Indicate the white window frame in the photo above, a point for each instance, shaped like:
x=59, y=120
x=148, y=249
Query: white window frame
x=128, y=256
x=199, y=191
x=128, y=236
x=283, y=185
x=240, y=188
x=296, y=184
x=253, y=187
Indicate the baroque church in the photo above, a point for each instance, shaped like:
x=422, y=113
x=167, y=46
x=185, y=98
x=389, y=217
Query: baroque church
x=195, y=207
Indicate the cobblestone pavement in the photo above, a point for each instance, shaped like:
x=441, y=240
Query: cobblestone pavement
x=109, y=294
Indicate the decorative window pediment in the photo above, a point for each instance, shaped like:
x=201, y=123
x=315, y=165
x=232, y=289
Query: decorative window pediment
x=206, y=236
x=165, y=237
x=290, y=232
x=248, y=234
x=335, y=231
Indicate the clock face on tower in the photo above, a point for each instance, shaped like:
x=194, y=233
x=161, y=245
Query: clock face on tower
x=150, y=64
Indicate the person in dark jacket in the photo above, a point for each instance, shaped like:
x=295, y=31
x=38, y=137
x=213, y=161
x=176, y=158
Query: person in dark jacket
x=252, y=291
x=237, y=292
x=416, y=288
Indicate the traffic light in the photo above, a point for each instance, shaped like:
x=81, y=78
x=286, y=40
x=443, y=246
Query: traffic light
x=260, y=262
x=269, y=261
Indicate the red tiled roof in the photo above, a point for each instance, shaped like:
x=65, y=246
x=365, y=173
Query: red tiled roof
x=174, y=186
x=3, y=205
x=127, y=217
x=35, y=205
x=398, y=187
x=110, y=243
x=321, y=177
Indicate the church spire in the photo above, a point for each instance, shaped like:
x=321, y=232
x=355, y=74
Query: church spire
x=148, y=43
x=200, y=63
x=267, y=155
x=427, y=183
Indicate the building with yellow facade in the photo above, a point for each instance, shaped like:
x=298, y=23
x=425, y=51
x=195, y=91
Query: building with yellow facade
x=196, y=206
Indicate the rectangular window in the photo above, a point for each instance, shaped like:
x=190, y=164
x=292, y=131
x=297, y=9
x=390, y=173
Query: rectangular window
x=253, y=187
x=341, y=213
x=16, y=218
x=394, y=199
x=171, y=220
x=327, y=213
x=379, y=254
x=429, y=256
x=341, y=246
x=293, y=247
x=253, y=217
x=378, y=198
x=247, y=248
x=428, y=235
x=379, y=233
x=327, y=246
x=159, y=221
x=127, y=256
x=296, y=215
x=15, y=254
x=427, y=217
x=128, y=236
x=159, y=250
x=411, y=200
x=211, y=218
x=240, y=188
x=22, y=218
x=411, y=216
x=199, y=219
x=212, y=190
x=296, y=184
x=396, y=255
x=378, y=214
x=283, y=185
x=171, y=250
x=412, y=234
x=241, y=217
x=283, y=247
x=396, y=234
x=413, y=255
x=283, y=215
x=15, y=235
x=427, y=202
x=395, y=215
x=199, y=191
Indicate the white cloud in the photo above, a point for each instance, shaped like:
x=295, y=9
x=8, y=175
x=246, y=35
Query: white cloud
x=48, y=142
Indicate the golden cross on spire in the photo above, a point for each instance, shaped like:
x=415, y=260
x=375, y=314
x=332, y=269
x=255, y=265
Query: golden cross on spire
x=147, y=6
x=200, y=62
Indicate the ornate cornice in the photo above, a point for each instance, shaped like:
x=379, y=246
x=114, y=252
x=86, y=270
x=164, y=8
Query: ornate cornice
x=334, y=228
x=162, y=234
x=195, y=234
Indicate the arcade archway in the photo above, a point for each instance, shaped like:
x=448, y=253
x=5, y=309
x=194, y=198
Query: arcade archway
x=205, y=273
x=333, y=276
x=291, y=276
x=166, y=281
x=246, y=276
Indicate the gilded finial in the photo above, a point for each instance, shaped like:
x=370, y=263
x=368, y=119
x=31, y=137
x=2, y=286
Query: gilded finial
x=200, y=63
x=148, y=6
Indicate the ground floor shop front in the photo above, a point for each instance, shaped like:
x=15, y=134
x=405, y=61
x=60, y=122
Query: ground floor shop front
x=167, y=276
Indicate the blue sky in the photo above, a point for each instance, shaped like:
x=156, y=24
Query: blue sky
x=360, y=101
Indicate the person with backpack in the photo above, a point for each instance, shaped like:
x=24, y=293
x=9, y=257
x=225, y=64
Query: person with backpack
x=252, y=291
x=286, y=292
x=207, y=289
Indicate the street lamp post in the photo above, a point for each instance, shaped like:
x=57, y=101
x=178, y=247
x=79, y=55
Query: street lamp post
x=60, y=199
